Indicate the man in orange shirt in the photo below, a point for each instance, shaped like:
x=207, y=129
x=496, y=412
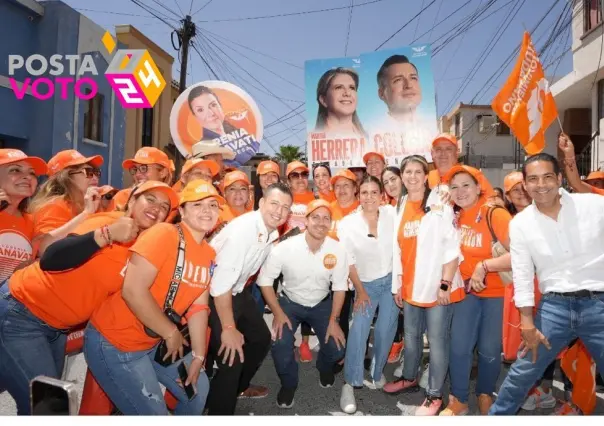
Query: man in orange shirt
x=572, y=173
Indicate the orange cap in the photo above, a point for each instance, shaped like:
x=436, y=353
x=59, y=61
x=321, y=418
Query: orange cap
x=595, y=175
x=295, y=165
x=8, y=156
x=372, y=153
x=153, y=185
x=148, y=155
x=120, y=199
x=268, y=167
x=71, y=157
x=445, y=137
x=344, y=173
x=199, y=189
x=194, y=163
x=316, y=204
x=459, y=168
x=172, y=166
x=511, y=180
x=235, y=176
x=106, y=189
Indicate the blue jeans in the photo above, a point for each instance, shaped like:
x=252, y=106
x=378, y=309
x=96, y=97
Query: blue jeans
x=131, y=379
x=477, y=321
x=283, y=349
x=561, y=319
x=257, y=296
x=437, y=321
x=28, y=348
x=380, y=294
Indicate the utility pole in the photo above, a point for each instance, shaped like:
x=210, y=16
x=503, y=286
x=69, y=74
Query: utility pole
x=468, y=153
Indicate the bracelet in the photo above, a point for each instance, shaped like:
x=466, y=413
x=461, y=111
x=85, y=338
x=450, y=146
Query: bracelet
x=109, y=236
x=484, y=266
x=228, y=327
x=199, y=357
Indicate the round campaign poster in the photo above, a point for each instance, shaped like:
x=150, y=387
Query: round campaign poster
x=217, y=112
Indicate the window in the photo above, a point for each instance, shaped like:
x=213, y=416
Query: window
x=600, y=100
x=93, y=118
x=502, y=129
x=485, y=123
x=592, y=14
x=147, y=133
x=457, y=125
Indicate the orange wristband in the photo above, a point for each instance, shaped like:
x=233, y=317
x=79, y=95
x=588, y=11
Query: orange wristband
x=194, y=309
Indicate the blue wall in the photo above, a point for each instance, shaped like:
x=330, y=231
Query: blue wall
x=43, y=128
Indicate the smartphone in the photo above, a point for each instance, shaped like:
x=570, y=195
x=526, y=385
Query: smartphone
x=53, y=397
x=182, y=372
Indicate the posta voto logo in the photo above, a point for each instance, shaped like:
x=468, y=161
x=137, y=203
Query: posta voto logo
x=132, y=74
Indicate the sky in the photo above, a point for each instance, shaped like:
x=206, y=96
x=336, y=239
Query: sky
x=266, y=56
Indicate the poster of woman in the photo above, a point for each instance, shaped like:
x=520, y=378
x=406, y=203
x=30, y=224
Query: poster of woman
x=217, y=111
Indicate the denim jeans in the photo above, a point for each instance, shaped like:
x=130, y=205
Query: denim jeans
x=257, y=295
x=131, y=379
x=283, y=349
x=28, y=348
x=380, y=294
x=561, y=319
x=477, y=322
x=437, y=320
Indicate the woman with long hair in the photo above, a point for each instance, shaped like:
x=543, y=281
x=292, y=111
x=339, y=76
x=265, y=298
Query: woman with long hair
x=321, y=174
x=425, y=281
x=478, y=318
x=135, y=339
x=61, y=291
x=18, y=182
x=68, y=197
x=337, y=99
x=207, y=110
x=367, y=235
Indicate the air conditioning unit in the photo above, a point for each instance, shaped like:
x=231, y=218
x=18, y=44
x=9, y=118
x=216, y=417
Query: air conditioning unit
x=486, y=123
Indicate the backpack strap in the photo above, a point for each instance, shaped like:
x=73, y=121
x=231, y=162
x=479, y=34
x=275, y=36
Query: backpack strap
x=489, y=215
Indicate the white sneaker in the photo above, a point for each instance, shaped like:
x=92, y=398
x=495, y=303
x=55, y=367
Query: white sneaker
x=423, y=381
x=539, y=399
x=347, y=402
x=373, y=385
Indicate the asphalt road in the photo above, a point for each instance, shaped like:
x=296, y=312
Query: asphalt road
x=310, y=398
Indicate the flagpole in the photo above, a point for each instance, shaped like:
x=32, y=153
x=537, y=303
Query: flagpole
x=560, y=123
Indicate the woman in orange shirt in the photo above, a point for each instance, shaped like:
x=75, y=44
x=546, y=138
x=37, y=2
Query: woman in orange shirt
x=68, y=197
x=237, y=194
x=477, y=320
x=393, y=184
x=321, y=174
x=73, y=277
x=166, y=279
x=297, y=177
x=18, y=182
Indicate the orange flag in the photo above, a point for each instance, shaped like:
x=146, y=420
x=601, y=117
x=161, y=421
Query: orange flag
x=525, y=102
x=580, y=368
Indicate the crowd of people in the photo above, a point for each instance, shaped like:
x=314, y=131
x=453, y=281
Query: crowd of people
x=179, y=269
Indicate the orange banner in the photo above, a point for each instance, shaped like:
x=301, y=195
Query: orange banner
x=580, y=368
x=525, y=102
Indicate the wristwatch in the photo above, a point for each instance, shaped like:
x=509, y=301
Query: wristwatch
x=444, y=285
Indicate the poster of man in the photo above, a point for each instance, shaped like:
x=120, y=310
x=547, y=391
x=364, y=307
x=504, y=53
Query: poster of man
x=217, y=111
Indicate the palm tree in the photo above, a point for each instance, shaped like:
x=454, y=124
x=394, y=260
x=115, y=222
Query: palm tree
x=289, y=153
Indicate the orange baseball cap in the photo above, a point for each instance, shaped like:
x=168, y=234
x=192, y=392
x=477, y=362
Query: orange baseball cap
x=317, y=204
x=268, y=166
x=372, y=153
x=153, y=185
x=8, y=156
x=445, y=137
x=106, y=189
x=235, y=176
x=295, y=165
x=148, y=155
x=595, y=175
x=459, y=168
x=198, y=190
x=71, y=157
x=511, y=180
x=194, y=163
x=344, y=173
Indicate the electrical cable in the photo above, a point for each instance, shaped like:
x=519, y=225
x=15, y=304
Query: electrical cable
x=404, y=25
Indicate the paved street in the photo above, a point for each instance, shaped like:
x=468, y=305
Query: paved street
x=310, y=398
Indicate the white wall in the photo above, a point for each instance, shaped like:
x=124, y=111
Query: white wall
x=488, y=144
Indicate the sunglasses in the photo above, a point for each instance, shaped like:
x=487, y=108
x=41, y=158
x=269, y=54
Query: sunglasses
x=298, y=175
x=88, y=172
x=143, y=168
x=109, y=196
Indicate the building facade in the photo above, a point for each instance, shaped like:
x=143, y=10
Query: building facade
x=45, y=127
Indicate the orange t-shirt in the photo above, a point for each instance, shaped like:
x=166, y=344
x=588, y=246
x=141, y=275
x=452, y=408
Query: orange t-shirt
x=51, y=216
x=338, y=214
x=597, y=190
x=66, y=299
x=330, y=196
x=298, y=211
x=407, y=241
x=159, y=246
x=16, y=235
x=476, y=243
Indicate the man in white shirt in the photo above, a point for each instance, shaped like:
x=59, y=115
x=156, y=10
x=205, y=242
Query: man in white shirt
x=561, y=237
x=312, y=265
x=240, y=338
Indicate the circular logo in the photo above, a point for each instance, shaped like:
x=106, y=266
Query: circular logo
x=14, y=250
x=219, y=112
x=330, y=261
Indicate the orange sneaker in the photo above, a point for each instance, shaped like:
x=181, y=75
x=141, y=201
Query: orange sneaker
x=305, y=352
x=484, y=403
x=395, y=352
x=567, y=409
x=455, y=408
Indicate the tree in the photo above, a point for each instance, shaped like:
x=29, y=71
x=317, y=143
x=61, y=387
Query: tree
x=289, y=153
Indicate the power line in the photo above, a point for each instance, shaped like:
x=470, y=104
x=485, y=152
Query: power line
x=201, y=8
x=205, y=62
x=283, y=117
x=404, y=25
x=307, y=12
x=435, y=18
x=417, y=24
x=443, y=20
x=147, y=9
x=114, y=13
x=348, y=30
x=167, y=9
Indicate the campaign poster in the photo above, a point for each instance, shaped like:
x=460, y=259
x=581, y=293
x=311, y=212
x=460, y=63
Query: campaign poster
x=381, y=101
x=217, y=111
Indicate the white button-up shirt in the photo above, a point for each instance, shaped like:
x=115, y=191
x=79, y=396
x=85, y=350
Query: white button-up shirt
x=241, y=248
x=306, y=275
x=372, y=257
x=568, y=254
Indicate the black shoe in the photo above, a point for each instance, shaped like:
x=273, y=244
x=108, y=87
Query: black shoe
x=367, y=364
x=326, y=379
x=337, y=368
x=267, y=310
x=285, y=397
